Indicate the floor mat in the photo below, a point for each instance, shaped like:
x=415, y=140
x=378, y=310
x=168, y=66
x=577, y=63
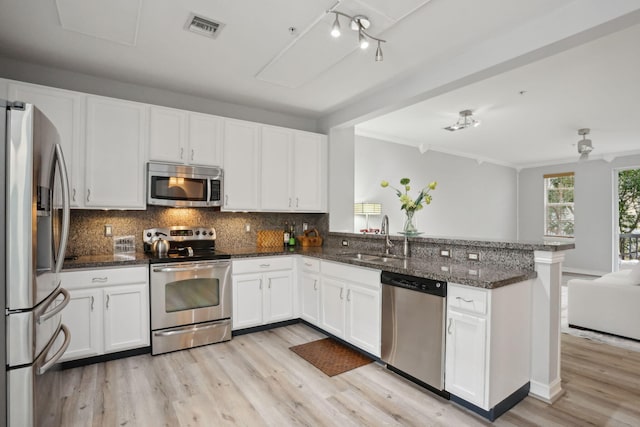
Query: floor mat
x=330, y=356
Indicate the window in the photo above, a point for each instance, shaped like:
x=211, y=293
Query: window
x=558, y=204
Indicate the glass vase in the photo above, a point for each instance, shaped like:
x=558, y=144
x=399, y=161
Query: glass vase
x=409, y=225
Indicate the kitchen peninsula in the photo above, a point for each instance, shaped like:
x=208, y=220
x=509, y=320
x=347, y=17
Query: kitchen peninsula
x=513, y=278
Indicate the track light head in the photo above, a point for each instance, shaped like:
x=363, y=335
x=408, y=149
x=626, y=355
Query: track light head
x=362, y=41
x=379, y=53
x=335, y=28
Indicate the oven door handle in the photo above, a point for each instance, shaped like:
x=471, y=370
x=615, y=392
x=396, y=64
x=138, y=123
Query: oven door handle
x=189, y=329
x=177, y=269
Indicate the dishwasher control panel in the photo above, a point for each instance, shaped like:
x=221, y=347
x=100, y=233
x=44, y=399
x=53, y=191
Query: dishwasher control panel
x=419, y=284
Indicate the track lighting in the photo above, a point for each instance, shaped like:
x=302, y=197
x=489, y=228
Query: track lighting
x=585, y=146
x=465, y=120
x=360, y=24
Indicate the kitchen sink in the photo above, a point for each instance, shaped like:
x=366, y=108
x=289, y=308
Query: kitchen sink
x=372, y=257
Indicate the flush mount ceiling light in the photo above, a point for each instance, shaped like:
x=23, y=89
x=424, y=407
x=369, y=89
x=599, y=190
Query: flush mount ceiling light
x=465, y=120
x=360, y=24
x=584, y=145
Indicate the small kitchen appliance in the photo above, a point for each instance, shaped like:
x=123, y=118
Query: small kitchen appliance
x=190, y=289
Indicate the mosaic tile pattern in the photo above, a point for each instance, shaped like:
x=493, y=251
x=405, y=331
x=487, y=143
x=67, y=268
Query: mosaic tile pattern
x=86, y=236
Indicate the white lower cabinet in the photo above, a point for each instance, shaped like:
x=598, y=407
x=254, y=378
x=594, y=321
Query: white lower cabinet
x=108, y=311
x=263, y=291
x=310, y=290
x=487, y=343
x=350, y=304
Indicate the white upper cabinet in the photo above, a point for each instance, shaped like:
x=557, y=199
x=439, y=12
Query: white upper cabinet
x=309, y=180
x=241, y=173
x=178, y=136
x=293, y=170
x=275, y=169
x=65, y=109
x=115, y=153
x=167, y=135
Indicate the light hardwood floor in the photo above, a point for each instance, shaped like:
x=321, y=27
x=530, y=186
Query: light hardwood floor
x=256, y=380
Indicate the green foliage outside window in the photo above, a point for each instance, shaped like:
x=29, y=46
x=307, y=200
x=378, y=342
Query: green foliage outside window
x=629, y=200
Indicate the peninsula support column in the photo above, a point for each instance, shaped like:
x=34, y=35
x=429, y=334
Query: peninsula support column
x=545, y=326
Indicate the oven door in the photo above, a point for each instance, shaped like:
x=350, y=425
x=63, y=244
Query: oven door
x=191, y=292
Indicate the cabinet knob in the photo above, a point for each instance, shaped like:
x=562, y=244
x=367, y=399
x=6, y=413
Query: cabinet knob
x=74, y=195
x=192, y=154
x=99, y=279
x=341, y=293
x=348, y=294
x=181, y=153
x=449, y=327
x=108, y=301
x=465, y=300
x=88, y=194
x=315, y=285
x=92, y=301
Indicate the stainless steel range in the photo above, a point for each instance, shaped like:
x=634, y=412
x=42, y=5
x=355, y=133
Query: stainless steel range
x=190, y=288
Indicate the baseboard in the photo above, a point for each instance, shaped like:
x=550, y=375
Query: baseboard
x=264, y=327
x=582, y=328
x=509, y=402
x=104, y=357
x=547, y=393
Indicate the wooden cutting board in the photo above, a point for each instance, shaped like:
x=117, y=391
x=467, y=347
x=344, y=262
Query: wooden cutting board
x=269, y=238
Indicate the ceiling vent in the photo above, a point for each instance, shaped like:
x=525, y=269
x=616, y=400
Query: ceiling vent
x=203, y=26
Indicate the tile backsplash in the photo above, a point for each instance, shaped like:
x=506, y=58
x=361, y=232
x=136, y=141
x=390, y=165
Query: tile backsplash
x=87, y=237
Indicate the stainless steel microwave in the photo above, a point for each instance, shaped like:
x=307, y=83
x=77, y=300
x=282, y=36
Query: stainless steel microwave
x=184, y=186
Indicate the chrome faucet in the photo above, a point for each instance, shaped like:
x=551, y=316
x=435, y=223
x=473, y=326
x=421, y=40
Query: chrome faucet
x=384, y=229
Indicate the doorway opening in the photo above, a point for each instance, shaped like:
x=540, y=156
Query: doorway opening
x=628, y=217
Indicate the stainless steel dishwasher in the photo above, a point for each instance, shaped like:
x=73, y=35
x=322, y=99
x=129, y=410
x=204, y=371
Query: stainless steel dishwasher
x=413, y=318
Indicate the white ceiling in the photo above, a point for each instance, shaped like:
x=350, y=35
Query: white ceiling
x=256, y=61
x=595, y=85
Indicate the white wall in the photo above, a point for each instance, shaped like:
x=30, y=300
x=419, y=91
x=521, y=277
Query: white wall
x=594, y=211
x=64, y=79
x=471, y=201
x=341, y=179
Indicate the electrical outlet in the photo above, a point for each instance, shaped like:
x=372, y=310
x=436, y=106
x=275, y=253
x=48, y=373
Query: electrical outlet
x=247, y=228
x=445, y=253
x=108, y=231
x=345, y=243
x=473, y=256
x=305, y=226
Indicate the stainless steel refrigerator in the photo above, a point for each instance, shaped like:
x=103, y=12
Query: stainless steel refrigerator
x=34, y=220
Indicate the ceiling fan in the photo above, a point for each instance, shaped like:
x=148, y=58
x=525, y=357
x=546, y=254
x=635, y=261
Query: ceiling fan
x=584, y=145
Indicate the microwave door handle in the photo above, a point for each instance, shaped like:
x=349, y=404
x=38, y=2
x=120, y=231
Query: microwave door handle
x=209, y=190
x=66, y=208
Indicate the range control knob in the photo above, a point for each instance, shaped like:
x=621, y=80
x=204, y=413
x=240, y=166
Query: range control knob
x=211, y=233
x=148, y=234
x=197, y=232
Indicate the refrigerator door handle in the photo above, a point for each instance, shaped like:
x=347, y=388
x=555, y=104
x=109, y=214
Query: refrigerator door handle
x=41, y=365
x=46, y=315
x=66, y=212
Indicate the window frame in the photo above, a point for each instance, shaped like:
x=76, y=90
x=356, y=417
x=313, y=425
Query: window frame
x=546, y=231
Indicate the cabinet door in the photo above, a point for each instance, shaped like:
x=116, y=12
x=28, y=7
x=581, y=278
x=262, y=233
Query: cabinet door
x=65, y=109
x=83, y=317
x=276, y=171
x=363, y=317
x=332, y=306
x=241, y=153
x=116, y=143
x=310, y=172
x=205, y=140
x=278, y=296
x=167, y=135
x=310, y=290
x=126, y=317
x=465, y=371
x=247, y=300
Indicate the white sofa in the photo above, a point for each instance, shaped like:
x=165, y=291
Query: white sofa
x=609, y=304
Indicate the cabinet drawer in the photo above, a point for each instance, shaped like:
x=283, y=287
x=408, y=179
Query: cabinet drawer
x=259, y=264
x=365, y=276
x=82, y=279
x=310, y=265
x=467, y=298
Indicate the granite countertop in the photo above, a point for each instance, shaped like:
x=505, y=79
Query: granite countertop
x=539, y=245
x=469, y=273
x=465, y=273
x=105, y=261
